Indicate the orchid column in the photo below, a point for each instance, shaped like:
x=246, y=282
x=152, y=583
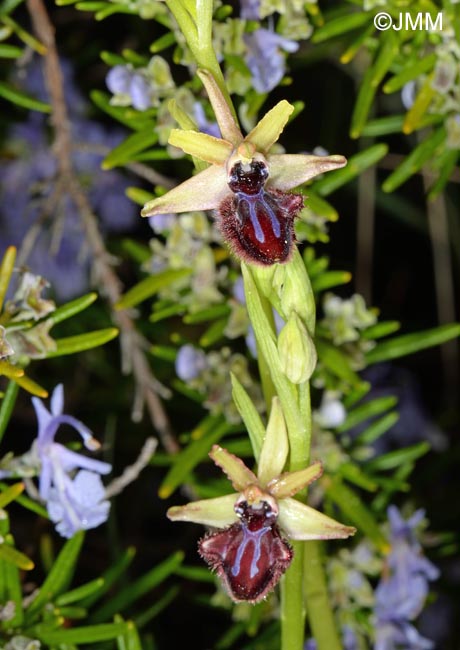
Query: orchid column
x=247, y=187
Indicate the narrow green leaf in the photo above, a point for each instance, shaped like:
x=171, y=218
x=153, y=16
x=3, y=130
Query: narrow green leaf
x=447, y=161
x=424, y=152
x=368, y=410
x=91, y=5
x=80, y=342
x=26, y=37
x=7, y=6
x=356, y=165
x=372, y=79
x=31, y=386
x=28, y=503
x=214, y=333
x=124, y=114
x=80, y=592
x=207, y=314
x=6, y=270
x=340, y=25
x=420, y=106
x=13, y=556
x=110, y=576
x=120, y=601
x=377, y=428
x=394, y=459
x=394, y=124
x=19, y=98
x=131, y=640
x=410, y=72
x=330, y=279
x=146, y=616
x=10, y=371
x=10, y=494
x=139, y=195
x=384, y=328
x=356, y=511
x=60, y=575
x=150, y=286
x=186, y=460
x=195, y=574
x=336, y=362
x=163, y=42
x=409, y=343
x=115, y=9
x=10, y=51
x=110, y=58
x=14, y=593
x=86, y=634
x=354, y=474
x=72, y=308
x=319, y=206
x=133, y=144
x=249, y=415
x=7, y=406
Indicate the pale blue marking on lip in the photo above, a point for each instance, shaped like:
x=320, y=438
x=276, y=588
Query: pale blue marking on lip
x=252, y=201
x=249, y=536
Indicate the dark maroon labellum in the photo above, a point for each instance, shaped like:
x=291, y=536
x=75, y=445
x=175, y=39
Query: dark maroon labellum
x=257, y=223
x=251, y=555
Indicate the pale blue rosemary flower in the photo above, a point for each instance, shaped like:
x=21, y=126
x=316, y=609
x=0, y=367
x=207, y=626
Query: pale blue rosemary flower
x=401, y=596
x=265, y=58
x=69, y=482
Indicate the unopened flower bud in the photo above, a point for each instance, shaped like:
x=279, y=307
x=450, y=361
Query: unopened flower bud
x=297, y=350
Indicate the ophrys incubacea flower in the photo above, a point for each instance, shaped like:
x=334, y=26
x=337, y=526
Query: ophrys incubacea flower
x=250, y=554
x=245, y=184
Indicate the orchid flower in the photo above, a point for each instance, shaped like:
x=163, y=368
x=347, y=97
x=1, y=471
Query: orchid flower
x=245, y=183
x=250, y=554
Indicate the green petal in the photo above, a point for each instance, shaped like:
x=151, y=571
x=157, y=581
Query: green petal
x=302, y=522
x=268, y=130
x=290, y=483
x=218, y=513
x=227, y=125
x=234, y=468
x=200, y=145
x=291, y=170
x=204, y=191
x=275, y=447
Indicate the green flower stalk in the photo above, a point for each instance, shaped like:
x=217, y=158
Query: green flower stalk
x=248, y=188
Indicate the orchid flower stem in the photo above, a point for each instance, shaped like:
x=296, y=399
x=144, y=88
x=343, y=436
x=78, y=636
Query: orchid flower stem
x=268, y=387
x=292, y=602
x=320, y=614
x=195, y=22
